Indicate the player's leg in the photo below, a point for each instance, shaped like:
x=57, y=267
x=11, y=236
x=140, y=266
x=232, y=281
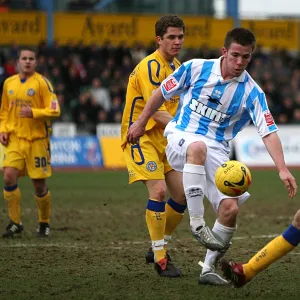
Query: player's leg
x=225, y=225
x=144, y=164
x=43, y=200
x=13, y=163
x=176, y=205
x=187, y=154
x=39, y=168
x=12, y=195
x=240, y=274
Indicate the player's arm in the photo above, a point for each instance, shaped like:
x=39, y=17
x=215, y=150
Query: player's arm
x=51, y=106
x=171, y=86
x=263, y=120
x=162, y=118
x=149, y=78
x=274, y=147
x=4, y=109
x=3, y=116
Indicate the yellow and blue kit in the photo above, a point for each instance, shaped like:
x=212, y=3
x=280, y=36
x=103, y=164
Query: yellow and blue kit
x=147, y=159
x=29, y=144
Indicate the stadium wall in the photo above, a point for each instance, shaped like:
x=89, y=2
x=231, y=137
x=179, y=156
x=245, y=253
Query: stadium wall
x=29, y=28
x=104, y=149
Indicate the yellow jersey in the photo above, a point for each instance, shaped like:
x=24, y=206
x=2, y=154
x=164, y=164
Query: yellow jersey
x=36, y=92
x=145, y=78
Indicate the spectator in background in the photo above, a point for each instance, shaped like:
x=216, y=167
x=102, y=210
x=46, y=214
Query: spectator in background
x=100, y=94
x=138, y=52
x=10, y=67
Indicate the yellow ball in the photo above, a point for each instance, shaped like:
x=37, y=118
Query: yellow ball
x=233, y=178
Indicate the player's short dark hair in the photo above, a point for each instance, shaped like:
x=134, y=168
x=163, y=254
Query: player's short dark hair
x=241, y=36
x=162, y=25
x=27, y=49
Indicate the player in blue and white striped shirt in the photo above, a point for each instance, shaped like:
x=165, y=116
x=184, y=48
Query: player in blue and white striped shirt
x=218, y=99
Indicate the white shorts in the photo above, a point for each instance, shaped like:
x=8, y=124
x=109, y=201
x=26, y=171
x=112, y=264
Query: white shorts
x=178, y=143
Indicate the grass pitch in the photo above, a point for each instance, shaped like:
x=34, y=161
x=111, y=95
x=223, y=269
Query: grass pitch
x=99, y=237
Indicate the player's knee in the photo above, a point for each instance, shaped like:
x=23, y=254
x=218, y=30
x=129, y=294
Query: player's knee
x=196, y=153
x=296, y=221
x=10, y=178
x=40, y=186
x=229, y=210
x=158, y=193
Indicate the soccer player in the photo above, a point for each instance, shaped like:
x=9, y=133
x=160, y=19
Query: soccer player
x=240, y=274
x=218, y=99
x=146, y=160
x=28, y=104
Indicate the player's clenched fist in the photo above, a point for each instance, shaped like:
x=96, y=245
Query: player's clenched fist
x=4, y=138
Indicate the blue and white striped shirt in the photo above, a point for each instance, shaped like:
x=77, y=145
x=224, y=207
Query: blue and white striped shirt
x=214, y=107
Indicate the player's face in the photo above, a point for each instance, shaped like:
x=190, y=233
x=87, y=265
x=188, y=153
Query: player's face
x=236, y=59
x=170, y=44
x=27, y=63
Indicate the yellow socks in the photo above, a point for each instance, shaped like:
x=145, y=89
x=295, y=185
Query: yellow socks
x=12, y=195
x=174, y=215
x=156, y=222
x=276, y=249
x=44, y=204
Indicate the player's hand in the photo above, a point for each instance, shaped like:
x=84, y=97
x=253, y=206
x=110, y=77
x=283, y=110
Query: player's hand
x=4, y=138
x=135, y=131
x=289, y=182
x=26, y=112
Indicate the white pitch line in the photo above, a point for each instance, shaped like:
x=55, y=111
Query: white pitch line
x=119, y=245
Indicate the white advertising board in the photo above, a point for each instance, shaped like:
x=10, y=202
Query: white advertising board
x=250, y=149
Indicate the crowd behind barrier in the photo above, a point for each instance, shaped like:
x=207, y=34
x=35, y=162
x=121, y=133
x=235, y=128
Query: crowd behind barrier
x=90, y=81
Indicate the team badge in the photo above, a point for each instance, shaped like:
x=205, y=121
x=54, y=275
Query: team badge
x=151, y=166
x=10, y=92
x=30, y=92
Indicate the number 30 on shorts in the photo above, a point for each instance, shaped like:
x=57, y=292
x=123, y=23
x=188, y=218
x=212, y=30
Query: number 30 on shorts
x=40, y=162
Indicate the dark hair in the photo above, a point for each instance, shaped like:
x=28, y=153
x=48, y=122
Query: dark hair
x=26, y=49
x=241, y=36
x=162, y=25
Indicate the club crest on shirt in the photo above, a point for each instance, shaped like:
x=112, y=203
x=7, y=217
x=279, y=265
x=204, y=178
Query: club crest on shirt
x=10, y=92
x=30, y=92
x=151, y=166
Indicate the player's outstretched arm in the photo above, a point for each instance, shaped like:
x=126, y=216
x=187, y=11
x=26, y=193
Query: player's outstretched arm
x=137, y=129
x=274, y=147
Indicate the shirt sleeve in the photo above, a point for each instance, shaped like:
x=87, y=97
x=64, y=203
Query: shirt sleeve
x=51, y=106
x=261, y=115
x=150, y=77
x=175, y=83
x=4, y=109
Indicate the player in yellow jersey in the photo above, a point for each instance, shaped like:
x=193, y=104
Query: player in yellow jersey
x=28, y=104
x=240, y=274
x=146, y=161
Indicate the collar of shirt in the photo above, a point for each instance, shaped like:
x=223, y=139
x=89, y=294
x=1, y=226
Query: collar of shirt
x=171, y=64
x=216, y=69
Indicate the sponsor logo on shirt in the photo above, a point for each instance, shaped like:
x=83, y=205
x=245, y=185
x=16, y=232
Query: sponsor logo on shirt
x=170, y=84
x=53, y=104
x=269, y=118
x=213, y=100
x=207, y=111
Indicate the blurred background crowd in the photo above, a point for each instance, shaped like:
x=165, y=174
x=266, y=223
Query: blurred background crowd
x=90, y=80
